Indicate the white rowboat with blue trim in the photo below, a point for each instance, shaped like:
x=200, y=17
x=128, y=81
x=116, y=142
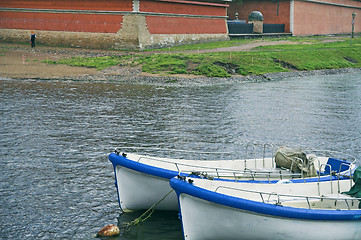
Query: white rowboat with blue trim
x=228, y=210
x=142, y=179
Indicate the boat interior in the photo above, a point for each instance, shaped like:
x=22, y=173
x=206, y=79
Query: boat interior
x=311, y=195
x=255, y=162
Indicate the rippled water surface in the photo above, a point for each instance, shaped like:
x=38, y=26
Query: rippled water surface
x=56, y=181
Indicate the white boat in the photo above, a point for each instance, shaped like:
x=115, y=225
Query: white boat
x=228, y=210
x=142, y=180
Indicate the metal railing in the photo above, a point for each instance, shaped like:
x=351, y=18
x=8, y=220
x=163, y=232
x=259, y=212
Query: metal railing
x=224, y=172
x=293, y=198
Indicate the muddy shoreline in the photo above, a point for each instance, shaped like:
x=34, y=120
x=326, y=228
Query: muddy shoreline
x=170, y=80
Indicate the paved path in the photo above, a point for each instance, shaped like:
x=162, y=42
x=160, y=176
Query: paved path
x=244, y=47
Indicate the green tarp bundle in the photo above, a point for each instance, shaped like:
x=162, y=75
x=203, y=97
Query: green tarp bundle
x=355, y=190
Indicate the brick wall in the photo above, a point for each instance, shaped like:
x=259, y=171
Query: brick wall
x=311, y=17
x=67, y=22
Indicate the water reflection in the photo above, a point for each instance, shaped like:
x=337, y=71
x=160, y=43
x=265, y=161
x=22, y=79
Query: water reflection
x=56, y=181
x=161, y=225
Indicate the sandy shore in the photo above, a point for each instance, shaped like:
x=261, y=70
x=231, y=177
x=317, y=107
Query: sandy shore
x=23, y=62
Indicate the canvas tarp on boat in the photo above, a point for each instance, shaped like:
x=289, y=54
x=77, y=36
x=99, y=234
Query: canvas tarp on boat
x=296, y=160
x=355, y=190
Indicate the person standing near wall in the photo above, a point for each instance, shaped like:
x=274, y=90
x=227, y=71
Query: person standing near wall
x=32, y=39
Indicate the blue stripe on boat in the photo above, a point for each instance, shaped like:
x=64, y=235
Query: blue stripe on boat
x=140, y=167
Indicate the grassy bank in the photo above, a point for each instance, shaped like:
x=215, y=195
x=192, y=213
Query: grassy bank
x=302, y=54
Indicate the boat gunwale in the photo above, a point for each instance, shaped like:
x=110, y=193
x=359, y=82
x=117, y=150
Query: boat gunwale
x=141, y=167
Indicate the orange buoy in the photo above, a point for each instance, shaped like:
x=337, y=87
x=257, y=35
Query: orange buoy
x=109, y=230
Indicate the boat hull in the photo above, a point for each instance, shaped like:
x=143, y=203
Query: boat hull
x=137, y=190
x=202, y=219
x=207, y=214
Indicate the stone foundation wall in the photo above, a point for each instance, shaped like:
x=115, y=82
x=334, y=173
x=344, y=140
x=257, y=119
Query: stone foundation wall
x=61, y=39
x=166, y=40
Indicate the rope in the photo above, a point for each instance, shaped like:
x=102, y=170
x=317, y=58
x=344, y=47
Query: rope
x=202, y=175
x=147, y=214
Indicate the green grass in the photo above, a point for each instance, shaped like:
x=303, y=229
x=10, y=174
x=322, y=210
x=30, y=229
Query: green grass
x=90, y=62
x=159, y=63
x=310, y=45
x=309, y=53
x=210, y=70
x=254, y=63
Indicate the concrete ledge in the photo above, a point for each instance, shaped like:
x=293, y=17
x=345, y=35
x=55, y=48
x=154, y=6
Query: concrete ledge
x=260, y=35
x=331, y=4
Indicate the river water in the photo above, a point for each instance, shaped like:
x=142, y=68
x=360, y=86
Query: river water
x=56, y=181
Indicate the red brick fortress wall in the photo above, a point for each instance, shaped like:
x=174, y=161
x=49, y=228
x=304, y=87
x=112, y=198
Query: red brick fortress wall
x=61, y=22
x=171, y=25
x=54, y=15
x=193, y=17
x=325, y=16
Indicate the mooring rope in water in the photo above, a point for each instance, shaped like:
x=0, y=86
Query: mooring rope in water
x=147, y=214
